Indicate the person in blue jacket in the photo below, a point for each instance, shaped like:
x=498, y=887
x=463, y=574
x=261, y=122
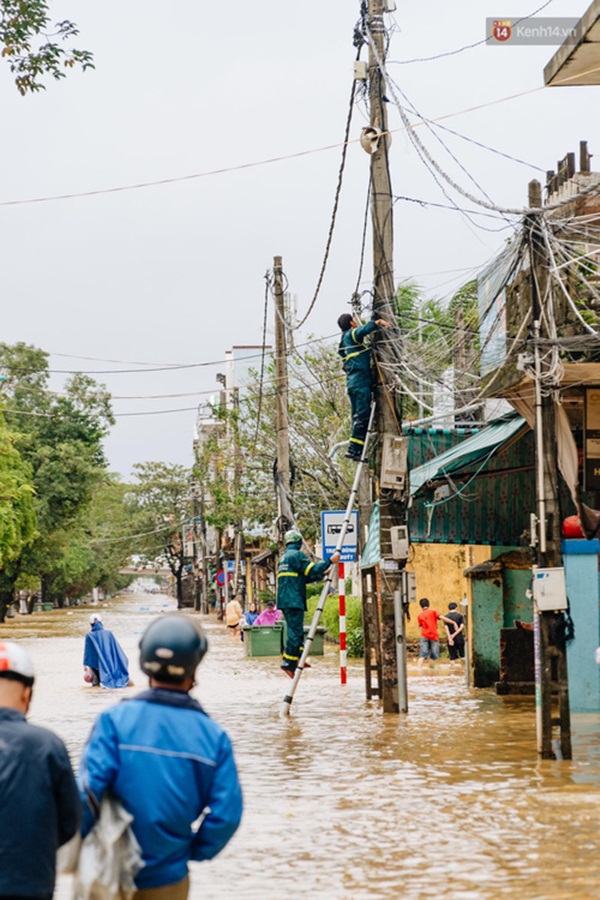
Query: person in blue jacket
x=40, y=807
x=104, y=658
x=170, y=765
x=294, y=571
x=356, y=360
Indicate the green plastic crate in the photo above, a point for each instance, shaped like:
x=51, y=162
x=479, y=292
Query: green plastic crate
x=263, y=640
x=317, y=646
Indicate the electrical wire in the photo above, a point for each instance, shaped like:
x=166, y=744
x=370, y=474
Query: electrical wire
x=423, y=152
x=259, y=163
x=447, y=149
x=485, y=40
x=262, y=358
x=336, y=201
x=179, y=367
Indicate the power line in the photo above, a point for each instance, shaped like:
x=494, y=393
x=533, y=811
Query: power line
x=424, y=153
x=250, y=165
x=405, y=62
x=336, y=201
x=197, y=365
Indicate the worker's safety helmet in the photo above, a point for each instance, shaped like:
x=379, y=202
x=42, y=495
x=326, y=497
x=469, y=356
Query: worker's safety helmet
x=292, y=536
x=15, y=663
x=95, y=618
x=171, y=648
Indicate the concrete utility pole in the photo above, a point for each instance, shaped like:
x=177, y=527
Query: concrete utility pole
x=196, y=545
x=550, y=655
x=239, y=586
x=391, y=511
x=283, y=430
x=204, y=554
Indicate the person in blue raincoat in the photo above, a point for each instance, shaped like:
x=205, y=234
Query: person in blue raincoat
x=104, y=661
x=356, y=360
x=294, y=572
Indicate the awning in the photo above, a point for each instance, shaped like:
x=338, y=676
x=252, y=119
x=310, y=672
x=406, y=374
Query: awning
x=261, y=558
x=473, y=450
x=577, y=61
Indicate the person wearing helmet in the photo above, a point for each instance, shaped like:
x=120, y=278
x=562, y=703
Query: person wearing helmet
x=168, y=763
x=104, y=661
x=39, y=801
x=356, y=361
x=294, y=572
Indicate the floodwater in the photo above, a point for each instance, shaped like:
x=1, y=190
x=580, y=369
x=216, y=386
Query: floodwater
x=344, y=803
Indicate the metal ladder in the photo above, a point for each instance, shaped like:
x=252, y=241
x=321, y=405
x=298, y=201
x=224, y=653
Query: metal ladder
x=287, y=700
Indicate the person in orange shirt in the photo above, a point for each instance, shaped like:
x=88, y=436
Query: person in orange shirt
x=430, y=640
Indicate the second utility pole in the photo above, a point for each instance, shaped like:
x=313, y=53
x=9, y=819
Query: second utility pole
x=283, y=475
x=552, y=680
x=383, y=308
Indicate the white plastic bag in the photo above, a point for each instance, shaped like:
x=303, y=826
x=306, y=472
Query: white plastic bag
x=67, y=856
x=110, y=857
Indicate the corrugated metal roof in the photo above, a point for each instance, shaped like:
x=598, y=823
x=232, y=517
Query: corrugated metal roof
x=481, y=445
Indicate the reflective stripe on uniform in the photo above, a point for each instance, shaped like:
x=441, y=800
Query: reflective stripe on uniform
x=350, y=355
x=356, y=441
x=287, y=574
x=308, y=568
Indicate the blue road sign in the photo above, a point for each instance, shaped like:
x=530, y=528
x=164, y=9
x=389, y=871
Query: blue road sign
x=331, y=527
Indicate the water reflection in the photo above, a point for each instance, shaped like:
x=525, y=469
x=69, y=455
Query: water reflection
x=344, y=803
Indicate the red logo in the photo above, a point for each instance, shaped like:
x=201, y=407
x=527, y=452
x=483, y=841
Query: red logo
x=501, y=30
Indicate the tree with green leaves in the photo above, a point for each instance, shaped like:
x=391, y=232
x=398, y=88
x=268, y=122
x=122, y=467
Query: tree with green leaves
x=319, y=417
x=17, y=513
x=91, y=550
x=163, y=504
x=61, y=438
x=437, y=338
x=35, y=47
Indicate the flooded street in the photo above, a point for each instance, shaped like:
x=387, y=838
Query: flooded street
x=341, y=802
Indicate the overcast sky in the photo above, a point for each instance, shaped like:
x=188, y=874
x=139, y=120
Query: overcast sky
x=173, y=274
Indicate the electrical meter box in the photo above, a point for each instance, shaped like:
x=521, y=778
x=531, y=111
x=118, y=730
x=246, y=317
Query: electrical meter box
x=393, y=463
x=361, y=73
x=409, y=586
x=549, y=589
x=400, y=541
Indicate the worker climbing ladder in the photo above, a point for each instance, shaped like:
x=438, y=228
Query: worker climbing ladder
x=287, y=700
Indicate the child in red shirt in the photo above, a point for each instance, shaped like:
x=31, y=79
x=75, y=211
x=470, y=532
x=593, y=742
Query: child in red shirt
x=430, y=641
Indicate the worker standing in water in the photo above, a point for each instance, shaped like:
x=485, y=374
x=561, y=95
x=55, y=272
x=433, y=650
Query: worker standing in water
x=294, y=572
x=356, y=360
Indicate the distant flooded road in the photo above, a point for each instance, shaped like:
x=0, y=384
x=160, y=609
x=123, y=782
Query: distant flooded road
x=341, y=802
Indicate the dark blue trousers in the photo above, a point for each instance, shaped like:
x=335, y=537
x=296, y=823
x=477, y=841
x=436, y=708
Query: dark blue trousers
x=360, y=403
x=294, y=619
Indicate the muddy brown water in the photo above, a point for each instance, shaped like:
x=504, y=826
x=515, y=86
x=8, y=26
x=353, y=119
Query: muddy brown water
x=343, y=802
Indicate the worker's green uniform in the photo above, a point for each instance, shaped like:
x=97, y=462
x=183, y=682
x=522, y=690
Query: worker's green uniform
x=294, y=572
x=356, y=356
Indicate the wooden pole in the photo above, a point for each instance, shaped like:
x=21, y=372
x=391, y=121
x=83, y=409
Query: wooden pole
x=196, y=545
x=550, y=654
x=383, y=307
x=282, y=421
x=239, y=583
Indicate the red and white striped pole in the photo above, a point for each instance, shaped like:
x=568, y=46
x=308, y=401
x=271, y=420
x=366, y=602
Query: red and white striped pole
x=342, y=595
